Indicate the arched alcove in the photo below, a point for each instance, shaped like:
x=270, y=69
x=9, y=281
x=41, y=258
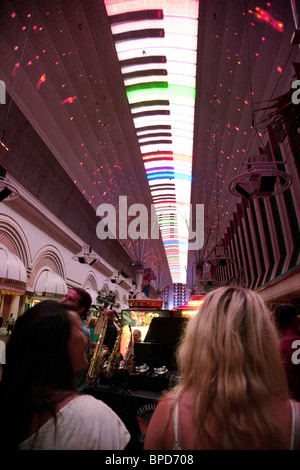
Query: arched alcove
x=48, y=257
x=14, y=238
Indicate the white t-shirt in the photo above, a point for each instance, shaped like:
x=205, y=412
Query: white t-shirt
x=84, y=423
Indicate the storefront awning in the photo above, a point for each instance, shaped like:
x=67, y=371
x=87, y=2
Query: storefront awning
x=13, y=275
x=50, y=284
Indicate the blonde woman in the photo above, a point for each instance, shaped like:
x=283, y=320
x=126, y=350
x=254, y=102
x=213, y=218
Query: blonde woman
x=233, y=394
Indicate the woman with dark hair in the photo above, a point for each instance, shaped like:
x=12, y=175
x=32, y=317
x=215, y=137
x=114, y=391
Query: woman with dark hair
x=233, y=394
x=46, y=348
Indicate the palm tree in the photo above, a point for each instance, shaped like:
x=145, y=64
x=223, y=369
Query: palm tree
x=108, y=300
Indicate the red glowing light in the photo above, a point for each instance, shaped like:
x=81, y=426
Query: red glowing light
x=266, y=17
x=69, y=100
x=194, y=303
x=41, y=80
x=15, y=69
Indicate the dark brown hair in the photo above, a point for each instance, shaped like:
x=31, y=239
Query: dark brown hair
x=37, y=360
x=85, y=300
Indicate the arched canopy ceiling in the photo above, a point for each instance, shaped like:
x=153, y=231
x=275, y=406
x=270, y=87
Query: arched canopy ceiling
x=145, y=102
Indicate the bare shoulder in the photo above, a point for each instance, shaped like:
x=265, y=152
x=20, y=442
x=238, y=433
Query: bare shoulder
x=162, y=409
x=165, y=402
x=157, y=435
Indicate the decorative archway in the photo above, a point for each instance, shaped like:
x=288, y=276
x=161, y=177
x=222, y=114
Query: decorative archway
x=14, y=238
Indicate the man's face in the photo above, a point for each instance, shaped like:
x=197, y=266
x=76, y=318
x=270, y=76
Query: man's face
x=72, y=298
x=110, y=315
x=137, y=336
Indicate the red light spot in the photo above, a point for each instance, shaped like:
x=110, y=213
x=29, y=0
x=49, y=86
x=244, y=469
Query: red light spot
x=41, y=80
x=267, y=17
x=69, y=100
x=15, y=69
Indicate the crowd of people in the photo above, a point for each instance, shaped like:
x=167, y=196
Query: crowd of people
x=9, y=323
x=239, y=386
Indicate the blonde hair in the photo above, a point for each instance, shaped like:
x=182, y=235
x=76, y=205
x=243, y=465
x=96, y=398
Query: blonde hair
x=229, y=357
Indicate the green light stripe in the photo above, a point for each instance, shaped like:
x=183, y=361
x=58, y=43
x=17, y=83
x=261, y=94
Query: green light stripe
x=163, y=221
x=146, y=90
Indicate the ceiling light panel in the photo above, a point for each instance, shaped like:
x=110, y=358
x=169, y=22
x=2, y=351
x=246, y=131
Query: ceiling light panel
x=156, y=44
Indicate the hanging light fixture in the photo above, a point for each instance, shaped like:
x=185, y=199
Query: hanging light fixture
x=262, y=178
x=8, y=190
